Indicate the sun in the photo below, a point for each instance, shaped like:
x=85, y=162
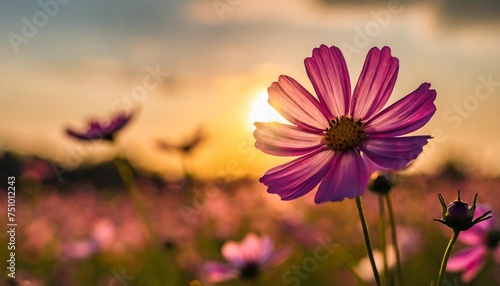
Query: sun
x=261, y=111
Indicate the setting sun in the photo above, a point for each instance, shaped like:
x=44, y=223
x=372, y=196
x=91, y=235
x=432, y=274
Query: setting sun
x=261, y=111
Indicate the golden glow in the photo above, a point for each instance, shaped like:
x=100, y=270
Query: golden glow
x=261, y=111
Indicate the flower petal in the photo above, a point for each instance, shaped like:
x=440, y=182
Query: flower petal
x=393, y=153
x=278, y=257
x=233, y=254
x=472, y=236
x=266, y=249
x=375, y=83
x=473, y=269
x=82, y=136
x=346, y=178
x=298, y=177
x=406, y=115
x=372, y=167
x=328, y=73
x=470, y=261
x=285, y=140
x=297, y=105
x=464, y=259
x=253, y=248
x=117, y=123
x=477, y=234
x=218, y=272
x=97, y=130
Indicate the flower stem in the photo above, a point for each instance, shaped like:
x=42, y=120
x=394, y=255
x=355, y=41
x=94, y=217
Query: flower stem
x=367, y=239
x=383, y=241
x=127, y=177
x=446, y=256
x=395, y=240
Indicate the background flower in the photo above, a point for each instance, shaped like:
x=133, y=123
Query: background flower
x=483, y=239
x=246, y=259
x=101, y=130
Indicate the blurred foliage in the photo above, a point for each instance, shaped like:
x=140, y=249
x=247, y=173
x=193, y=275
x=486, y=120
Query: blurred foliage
x=81, y=228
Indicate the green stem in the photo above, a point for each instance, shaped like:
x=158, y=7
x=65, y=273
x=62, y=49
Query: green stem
x=127, y=177
x=447, y=253
x=383, y=242
x=395, y=240
x=367, y=240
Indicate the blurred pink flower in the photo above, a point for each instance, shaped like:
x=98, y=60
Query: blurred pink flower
x=104, y=233
x=409, y=243
x=37, y=170
x=26, y=278
x=39, y=234
x=339, y=136
x=483, y=239
x=246, y=259
x=99, y=130
x=80, y=250
x=101, y=238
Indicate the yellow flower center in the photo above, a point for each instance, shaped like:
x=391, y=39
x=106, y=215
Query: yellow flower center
x=344, y=133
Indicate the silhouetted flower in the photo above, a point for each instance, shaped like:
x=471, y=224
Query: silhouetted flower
x=458, y=216
x=101, y=130
x=185, y=147
x=246, y=259
x=381, y=183
x=337, y=134
x=483, y=239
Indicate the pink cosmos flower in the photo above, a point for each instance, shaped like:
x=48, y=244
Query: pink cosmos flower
x=98, y=130
x=246, y=259
x=483, y=239
x=338, y=136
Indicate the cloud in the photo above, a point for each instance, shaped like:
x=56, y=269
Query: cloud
x=450, y=11
x=298, y=13
x=465, y=11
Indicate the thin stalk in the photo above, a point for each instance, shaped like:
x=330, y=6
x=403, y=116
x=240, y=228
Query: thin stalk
x=382, y=237
x=127, y=177
x=447, y=253
x=395, y=240
x=367, y=240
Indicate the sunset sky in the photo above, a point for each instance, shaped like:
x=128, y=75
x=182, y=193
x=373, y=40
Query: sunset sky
x=66, y=62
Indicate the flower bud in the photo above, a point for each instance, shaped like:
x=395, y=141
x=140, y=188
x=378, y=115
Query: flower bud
x=381, y=183
x=458, y=215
